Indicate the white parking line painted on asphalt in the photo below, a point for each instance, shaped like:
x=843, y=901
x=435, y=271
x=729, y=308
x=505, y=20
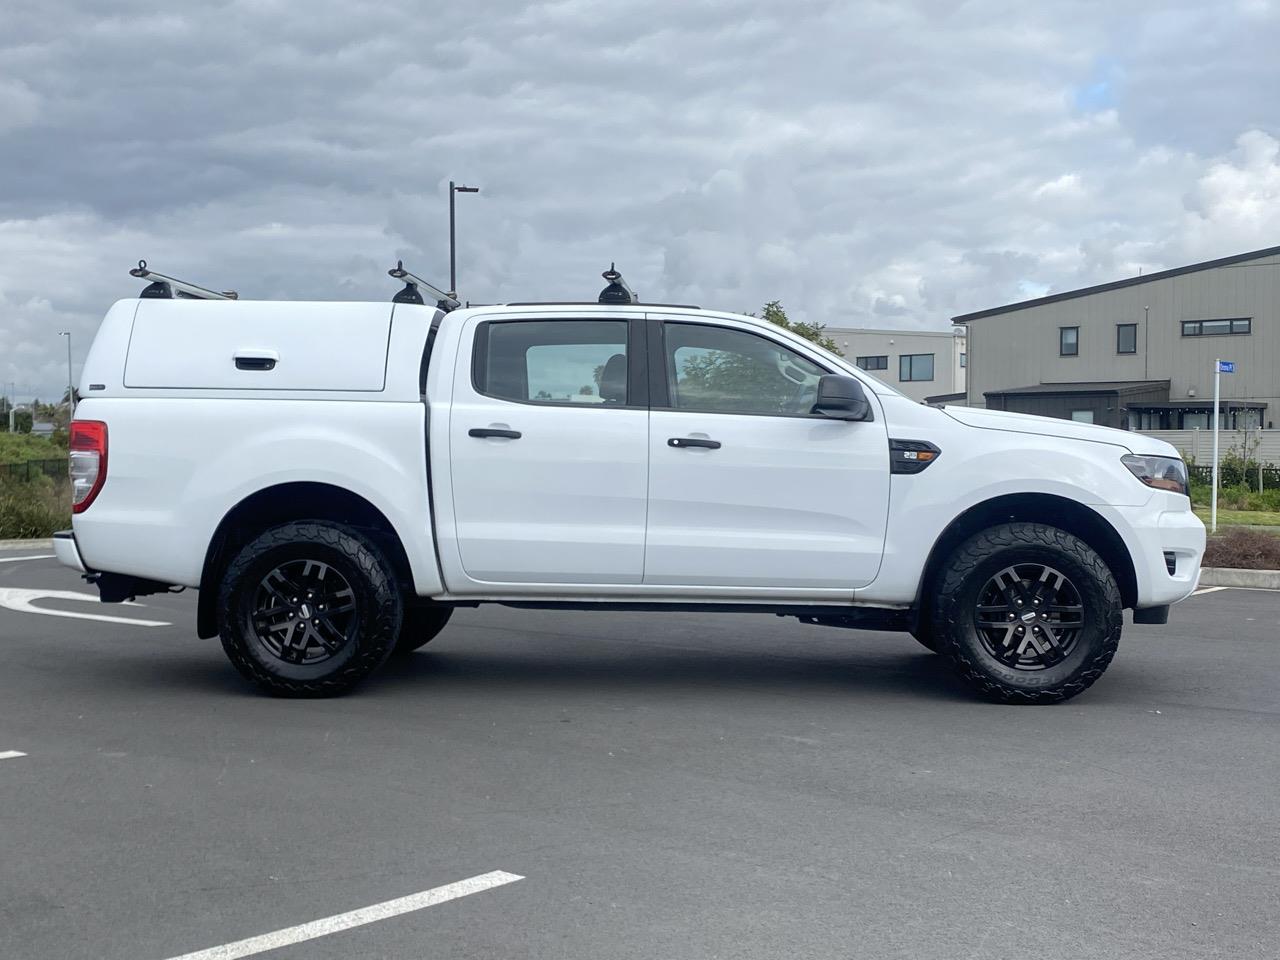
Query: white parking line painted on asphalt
x=1209, y=590
x=17, y=598
x=356, y=918
x=11, y=754
x=39, y=556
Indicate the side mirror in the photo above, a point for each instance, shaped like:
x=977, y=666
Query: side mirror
x=842, y=398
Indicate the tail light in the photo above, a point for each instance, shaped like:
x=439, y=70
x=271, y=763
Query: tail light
x=87, y=446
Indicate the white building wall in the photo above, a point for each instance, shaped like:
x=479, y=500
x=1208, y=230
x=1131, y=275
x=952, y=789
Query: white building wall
x=946, y=346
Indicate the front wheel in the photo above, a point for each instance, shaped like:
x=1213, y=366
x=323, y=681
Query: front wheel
x=1027, y=613
x=309, y=609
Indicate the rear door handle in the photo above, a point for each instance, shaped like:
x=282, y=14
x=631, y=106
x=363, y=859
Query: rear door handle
x=493, y=432
x=259, y=360
x=693, y=442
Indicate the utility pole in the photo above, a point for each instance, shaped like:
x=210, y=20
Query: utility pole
x=1213, y=510
x=71, y=387
x=453, y=261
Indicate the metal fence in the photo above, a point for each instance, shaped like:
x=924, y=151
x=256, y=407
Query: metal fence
x=1233, y=474
x=34, y=468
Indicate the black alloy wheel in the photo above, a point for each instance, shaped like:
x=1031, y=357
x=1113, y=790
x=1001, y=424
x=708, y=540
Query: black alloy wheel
x=1029, y=616
x=304, y=612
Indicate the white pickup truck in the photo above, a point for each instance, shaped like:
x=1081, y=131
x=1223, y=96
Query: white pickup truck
x=336, y=478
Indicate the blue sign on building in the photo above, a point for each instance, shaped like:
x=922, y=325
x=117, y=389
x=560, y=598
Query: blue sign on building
x=1226, y=366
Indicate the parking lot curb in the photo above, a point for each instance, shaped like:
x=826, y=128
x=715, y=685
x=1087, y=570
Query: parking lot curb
x=1234, y=577
x=26, y=544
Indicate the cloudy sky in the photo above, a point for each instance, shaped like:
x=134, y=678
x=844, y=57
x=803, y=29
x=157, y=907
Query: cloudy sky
x=881, y=164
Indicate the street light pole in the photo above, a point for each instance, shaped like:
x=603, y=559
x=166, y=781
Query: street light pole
x=453, y=262
x=71, y=388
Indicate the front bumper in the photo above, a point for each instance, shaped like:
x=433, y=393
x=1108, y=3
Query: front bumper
x=1161, y=533
x=67, y=552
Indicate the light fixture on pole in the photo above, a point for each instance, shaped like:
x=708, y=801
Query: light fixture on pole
x=71, y=387
x=453, y=263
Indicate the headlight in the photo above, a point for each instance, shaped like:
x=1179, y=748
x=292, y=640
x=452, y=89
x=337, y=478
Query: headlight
x=1163, y=473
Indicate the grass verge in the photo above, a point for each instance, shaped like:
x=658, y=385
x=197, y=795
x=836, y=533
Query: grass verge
x=1241, y=518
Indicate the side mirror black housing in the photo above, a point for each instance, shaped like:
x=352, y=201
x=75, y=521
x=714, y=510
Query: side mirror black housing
x=842, y=398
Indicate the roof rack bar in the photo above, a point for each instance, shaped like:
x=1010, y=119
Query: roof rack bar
x=169, y=288
x=617, y=291
x=412, y=294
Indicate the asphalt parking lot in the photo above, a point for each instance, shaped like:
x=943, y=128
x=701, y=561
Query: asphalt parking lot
x=663, y=785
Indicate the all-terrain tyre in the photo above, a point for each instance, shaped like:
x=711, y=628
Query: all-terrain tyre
x=1027, y=613
x=420, y=625
x=309, y=609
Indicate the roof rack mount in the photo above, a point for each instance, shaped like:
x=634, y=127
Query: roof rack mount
x=617, y=291
x=162, y=287
x=413, y=287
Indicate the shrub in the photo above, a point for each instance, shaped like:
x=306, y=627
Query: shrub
x=34, y=509
x=1243, y=548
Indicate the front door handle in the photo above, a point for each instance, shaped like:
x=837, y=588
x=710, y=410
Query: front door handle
x=693, y=442
x=493, y=432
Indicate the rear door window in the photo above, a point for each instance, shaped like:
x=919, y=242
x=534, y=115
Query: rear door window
x=579, y=362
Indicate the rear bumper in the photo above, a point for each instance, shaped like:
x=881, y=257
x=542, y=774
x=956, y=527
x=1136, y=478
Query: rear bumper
x=67, y=551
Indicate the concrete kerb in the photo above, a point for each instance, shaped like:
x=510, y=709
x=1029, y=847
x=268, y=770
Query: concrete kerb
x=1234, y=577
x=26, y=544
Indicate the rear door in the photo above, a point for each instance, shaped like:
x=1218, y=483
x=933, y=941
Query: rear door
x=747, y=489
x=549, y=450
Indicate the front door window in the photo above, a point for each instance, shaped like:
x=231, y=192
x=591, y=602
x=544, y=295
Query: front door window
x=719, y=370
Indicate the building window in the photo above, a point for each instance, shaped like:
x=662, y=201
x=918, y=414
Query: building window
x=1082, y=416
x=964, y=361
x=1068, y=341
x=915, y=366
x=1217, y=328
x=873, y=363
x=1126, y=338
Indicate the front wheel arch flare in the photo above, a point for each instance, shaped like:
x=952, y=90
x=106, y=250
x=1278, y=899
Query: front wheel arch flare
x=1072, y=516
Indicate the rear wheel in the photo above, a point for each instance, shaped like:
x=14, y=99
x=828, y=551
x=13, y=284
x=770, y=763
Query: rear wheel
x=421, y=624
x=1028, y=613
x=309, y=609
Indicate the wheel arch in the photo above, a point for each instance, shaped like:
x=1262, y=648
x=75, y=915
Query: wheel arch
x=287, y=503
x=1070, y=515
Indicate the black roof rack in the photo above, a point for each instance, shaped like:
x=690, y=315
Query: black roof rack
x=412, y=294
x=617, y=291
x=163, y=287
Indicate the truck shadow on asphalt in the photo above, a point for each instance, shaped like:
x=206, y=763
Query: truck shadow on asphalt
x=918, y=675
x=909, y=674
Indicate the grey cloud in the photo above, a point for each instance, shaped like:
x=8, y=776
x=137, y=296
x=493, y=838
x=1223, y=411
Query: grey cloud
x=879, y=163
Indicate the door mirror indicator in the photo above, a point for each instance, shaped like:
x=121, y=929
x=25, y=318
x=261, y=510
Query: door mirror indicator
x=842, y=398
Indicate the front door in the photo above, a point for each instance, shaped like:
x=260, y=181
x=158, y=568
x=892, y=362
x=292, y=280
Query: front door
x=747, y=489
x=549, y=451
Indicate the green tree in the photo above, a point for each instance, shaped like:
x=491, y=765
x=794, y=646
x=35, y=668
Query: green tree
x=813, y=332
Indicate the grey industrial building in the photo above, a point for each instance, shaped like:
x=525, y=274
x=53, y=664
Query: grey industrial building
x=1138, y=353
